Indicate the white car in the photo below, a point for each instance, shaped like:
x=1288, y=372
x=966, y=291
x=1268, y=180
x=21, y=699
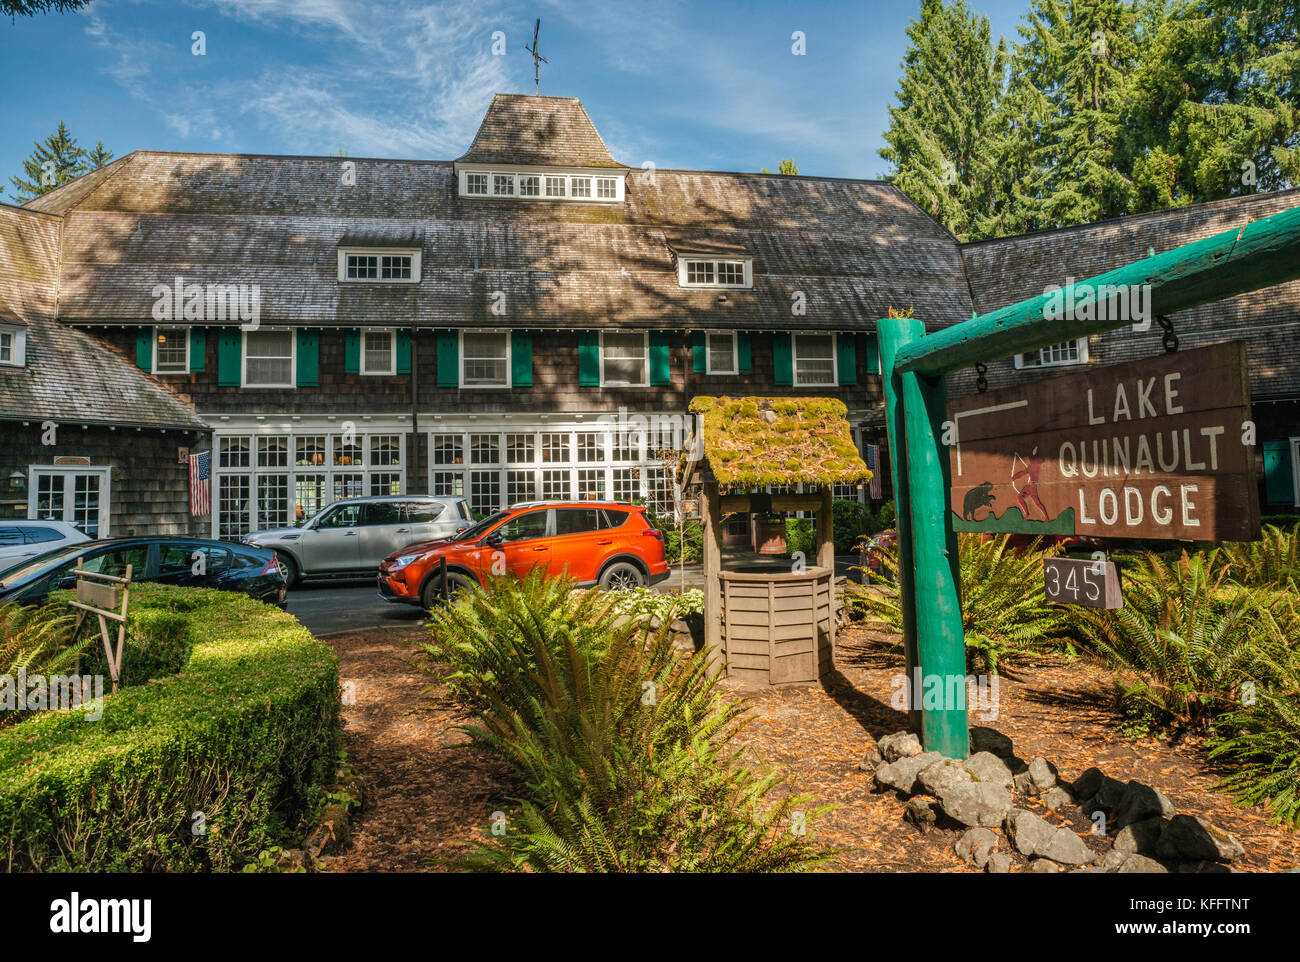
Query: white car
x=25, y=539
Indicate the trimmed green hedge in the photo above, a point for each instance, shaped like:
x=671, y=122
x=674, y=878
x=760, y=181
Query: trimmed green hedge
x=246, y=733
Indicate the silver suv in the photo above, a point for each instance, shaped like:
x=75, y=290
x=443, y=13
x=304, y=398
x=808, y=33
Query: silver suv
x=353, y=535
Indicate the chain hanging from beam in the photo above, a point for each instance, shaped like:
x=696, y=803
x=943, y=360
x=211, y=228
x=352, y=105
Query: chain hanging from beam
x=981, y=377
x=1170, y=339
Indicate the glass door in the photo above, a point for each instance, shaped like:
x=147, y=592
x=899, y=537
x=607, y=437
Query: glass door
x=77, y=497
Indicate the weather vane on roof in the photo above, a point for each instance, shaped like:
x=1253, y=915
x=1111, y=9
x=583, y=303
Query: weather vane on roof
x=538, y=59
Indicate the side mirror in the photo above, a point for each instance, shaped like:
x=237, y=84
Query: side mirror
x=494, y=540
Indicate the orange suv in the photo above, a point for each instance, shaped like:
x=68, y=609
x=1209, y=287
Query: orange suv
x=594, y=542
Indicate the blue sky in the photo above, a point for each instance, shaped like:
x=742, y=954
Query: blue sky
x=710, y=86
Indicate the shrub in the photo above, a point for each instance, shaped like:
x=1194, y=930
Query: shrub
x=800, y=536
x=647, y=603
x=852, y=519
x=1271, y=562
x=1005, y=612
x=622, y=748
x=246, y=734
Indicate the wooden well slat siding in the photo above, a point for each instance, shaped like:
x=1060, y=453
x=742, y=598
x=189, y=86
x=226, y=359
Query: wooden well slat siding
x=847, y=361
x=777, y=630
x=198, y=349
x=352, y=351
x=229, y=350
x=521, y=359
x=144, y=348
x=589, y=358
x=308, y=349
x=403, y=352
x=448, y=350
x=782, y=360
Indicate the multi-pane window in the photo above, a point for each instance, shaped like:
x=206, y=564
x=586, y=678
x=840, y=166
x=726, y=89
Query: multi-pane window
x=232, y=505
x=555, y=485
x=485, y=491
x=606, y=187
x=520, y=486
x=555, y=186
x=555, y=448
x=540, y=183
x=309, y=450
x=1067, y=352
x=624, y=359
x=273, y=452
x=385, y=450
x=485, y=359
x=591, y=484
x=232, y=452
x=308, y=496
x=272, y=501
x=349, y=486
x=814, y=359
x=6, y=347
x=484, y=449
x=476, y=184
x=395, y=267
x=378, y=352
x=378, y=265
x=659, y=491
x=627, y=484
x=712, y=272
x=580, y=186
x=447, y=449
x=363, y=267
x=627, y=445
x=450, y=484
x=173, y=353
x=347, y=450
x=268, y=359
x=503, y=185
x=591, y=446
x=385, y=482
x=519, y=449
x=720, y=353
x=530, y=185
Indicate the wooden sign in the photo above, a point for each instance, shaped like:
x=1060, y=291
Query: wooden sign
x=1078, y=581
x=1155, y=449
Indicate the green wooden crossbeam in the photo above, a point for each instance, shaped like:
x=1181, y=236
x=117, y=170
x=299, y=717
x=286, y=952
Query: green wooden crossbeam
x=1261, y=254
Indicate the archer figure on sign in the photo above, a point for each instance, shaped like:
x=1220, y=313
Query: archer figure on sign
x=1029, y=492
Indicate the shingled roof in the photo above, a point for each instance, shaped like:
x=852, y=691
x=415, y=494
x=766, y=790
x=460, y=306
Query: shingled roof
x=546, y=131
x=854, y=248
x=1011, y=269
x=69, y=375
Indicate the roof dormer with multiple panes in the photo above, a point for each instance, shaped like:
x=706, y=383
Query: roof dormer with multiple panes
x=533, y=148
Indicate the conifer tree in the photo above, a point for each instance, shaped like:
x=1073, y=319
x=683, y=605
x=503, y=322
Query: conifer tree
x=55, y=161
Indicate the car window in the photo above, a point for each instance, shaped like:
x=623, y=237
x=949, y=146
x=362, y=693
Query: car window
x=576, y=520
x=524, y=526
x=114, y=562
x=421, y=512
x=384, y=512
x=40, y=535
x=344, y=516
x=464, y=511
x=10, y=536
x=611, y=518
x=181, y=558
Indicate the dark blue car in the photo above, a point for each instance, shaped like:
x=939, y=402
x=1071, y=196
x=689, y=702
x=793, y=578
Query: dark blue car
x=191, y=562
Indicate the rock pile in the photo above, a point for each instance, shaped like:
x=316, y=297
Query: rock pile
x=1134, y=827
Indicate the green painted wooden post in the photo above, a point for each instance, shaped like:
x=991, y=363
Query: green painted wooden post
x=894, y=333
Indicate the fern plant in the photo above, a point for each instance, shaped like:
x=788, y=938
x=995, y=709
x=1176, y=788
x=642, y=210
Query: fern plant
x=38, y=641
x=1179, y=645
x=1272, y=562
x=1005, y=612
x=623, y=749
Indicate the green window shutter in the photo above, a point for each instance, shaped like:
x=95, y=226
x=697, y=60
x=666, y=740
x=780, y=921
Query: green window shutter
x=847, y=348
x=744, y=362
x=521, y=359
x=403, y=352
x=1279, y=483
x=589, y=358
x=198, y=349
x=782, y=361
x=698, y=352
x=660, y=359
x=352, y=351
x=229, y=348
x=308, y=357
x=448, y=359
x=144, y=348
x=873, y=354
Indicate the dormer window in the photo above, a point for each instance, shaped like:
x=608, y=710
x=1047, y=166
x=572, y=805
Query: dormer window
x=476, y=184
x=583, y=186
x=712, y=272
x=555, y=186
x=377, y=266
x=13, y=346
x=530, y=185
x=503, y=185
x=606, y=187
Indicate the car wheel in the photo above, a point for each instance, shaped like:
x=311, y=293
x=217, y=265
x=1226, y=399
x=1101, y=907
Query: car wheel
x=431, y=593
x=288, y=568
x=622, y=576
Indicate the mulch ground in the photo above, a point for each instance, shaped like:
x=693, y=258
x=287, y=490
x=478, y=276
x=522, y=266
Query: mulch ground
x=431, y=793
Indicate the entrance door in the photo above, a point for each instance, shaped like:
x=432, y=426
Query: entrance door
x=77, y=496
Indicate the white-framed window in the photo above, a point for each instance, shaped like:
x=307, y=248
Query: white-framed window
x=581, y=185
x=720, y=352
x=171, y=350
x=814, y=360
x=378, y=352
x=484, y=359
x=379, y=266
x=1056, y=355
x=13, y=346
x=269, y=359
x=624, y=358
x=79, y=496
x=715, y=272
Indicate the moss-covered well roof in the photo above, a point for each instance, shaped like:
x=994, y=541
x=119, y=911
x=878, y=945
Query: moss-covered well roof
x=751, y=442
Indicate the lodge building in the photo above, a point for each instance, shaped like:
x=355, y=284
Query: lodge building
x=502, y=326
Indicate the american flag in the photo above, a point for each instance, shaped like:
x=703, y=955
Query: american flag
x=875, y=488
x=201, y=484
